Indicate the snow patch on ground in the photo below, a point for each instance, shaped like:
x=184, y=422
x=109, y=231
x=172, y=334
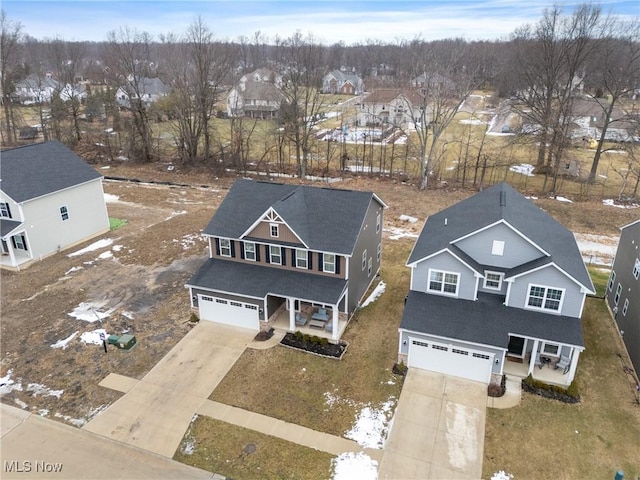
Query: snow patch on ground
x=73, y=269
x=407, y=218
x=501, y=475
x=372, y=426
x=93, y=337
x=78, y=422
x=598, y=249
x=7, y=384
x=43, y=412
x=109, y=198
x=379, y=290
x=105, y=242
x=612, y=203
x=21, y=404
x=39, y=389
x=398, y=233
x=472, y=121
x=104, y=255
x=350, y=465
x=523, y=168
x=175, y=214
x=189, y=240
x=89, y=312
x=189, y=447
x=563, y=199
x=64, y=343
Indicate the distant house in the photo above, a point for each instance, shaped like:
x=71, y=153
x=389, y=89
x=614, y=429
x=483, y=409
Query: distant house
x=389, y=106
x=36, y=89
x=148, y=90
x=495, y=280
x=256, y=95
x=343, y=83
x=431, y=81
x=588, y=116
x=623, y=290
x=50, y=200
x=289, y=257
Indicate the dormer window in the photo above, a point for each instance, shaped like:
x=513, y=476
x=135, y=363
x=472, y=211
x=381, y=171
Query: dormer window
x=274, y=230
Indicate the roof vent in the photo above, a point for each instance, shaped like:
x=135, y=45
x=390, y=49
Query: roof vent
x=446, y=220
x=503, y=198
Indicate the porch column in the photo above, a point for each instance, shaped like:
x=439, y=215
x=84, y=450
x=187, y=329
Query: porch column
x=532, y=359
x=334, y=321
x=12, y=255
x=575, y=353
x=292, y=314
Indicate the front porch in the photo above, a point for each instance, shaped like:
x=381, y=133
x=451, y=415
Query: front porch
x=282, y=323
x=546, y=374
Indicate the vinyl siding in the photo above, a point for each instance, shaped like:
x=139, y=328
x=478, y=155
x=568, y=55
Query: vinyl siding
x=263, y=230
x=444, y=261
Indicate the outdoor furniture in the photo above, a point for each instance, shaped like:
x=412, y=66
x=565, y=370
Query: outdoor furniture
x=539, y=361
x=317, y=323
x=301, y=320
x=563, y=363
x=329, y=327
x=321, y=314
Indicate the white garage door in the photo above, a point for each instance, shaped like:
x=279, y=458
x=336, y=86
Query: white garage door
x=450, y=360
x=222, y=310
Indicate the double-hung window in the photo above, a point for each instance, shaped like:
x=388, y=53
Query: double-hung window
x=443, y=282
x=551, y=349
x=378, y=222
x=612, y=280
x=329, y=263
x=625, y=307
x=301, y=259
x=636, y=269
x=364, y=260
x=64, y=213
x=249, y=251
x=493, y=280
x=616, y=299
x=5, y=211
x=275, y=254
x=225, y=247
x=545, y=298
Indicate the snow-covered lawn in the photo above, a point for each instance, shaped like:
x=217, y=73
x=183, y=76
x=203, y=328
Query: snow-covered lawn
x=379, y=290
x=90, y=312
x=354, y=466
x=105, y=242
x=523, y=168
x=372, y=425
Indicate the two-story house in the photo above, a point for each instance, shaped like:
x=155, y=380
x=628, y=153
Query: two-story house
x=390, y=106
x=144, y=89
x=495, y=279
x=623, y=290
x=50, y=200
x=256, y=95
x=289, y=257
x=344, y=83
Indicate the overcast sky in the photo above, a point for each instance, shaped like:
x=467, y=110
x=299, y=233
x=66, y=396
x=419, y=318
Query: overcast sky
x=328, y=20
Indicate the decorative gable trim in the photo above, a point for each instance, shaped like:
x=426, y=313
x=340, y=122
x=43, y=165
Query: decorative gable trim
x=476, y=273
x=507, y=224
x=583, y=288
x=271, y=216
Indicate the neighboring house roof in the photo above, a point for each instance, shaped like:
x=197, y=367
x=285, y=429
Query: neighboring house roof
x=485, y=321
x=503, y=203
x=149, y=86
x=383, y=96
x=327, y=220
x=35, y=170
x=260, y=91
x=343, y=77
x=34, y=81
x=8, y=226
x=258, y=281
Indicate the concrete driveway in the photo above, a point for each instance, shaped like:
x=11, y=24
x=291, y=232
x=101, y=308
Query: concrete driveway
x=438, y=429
x=156, y=411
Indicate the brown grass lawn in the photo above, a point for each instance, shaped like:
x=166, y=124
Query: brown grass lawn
x=244, y=454
x=292, y=385
x=547, y=439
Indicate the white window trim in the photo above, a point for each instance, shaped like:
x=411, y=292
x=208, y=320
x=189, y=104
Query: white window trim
x=20, y=242
x=277, y=227
x=379, y=252
x=636, y=269
x=625, y=307
x=252, y=252
x=500, y=280
x=4, y=210
x=546, y=290
x=369, y=267
x=378, y=222
x=279, y=262
x=325, y=263
x=227, y=247
x=64, y=212
x=616, y=298
x=299, y=259
x=444, y=273
x=544, y=345
x=612, y=280
x=364, y=259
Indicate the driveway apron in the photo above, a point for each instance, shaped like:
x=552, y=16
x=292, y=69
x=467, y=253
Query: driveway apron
x=438, y=429
x=156, y=411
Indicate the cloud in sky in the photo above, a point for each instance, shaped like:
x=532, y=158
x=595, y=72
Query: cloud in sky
x=328, y=20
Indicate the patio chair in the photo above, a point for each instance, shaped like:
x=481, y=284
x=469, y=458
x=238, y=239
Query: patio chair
x=539, y=362
x=301, y=320
x=563, y=363
x=329, y=327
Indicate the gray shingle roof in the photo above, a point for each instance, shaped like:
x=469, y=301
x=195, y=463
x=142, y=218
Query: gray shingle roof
x=258, y=281
x=8, y=226
x=327, y=220
x=486, y=321
x=41, y=168
x=483, y=209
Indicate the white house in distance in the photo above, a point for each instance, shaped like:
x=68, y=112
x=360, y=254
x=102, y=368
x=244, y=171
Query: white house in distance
x=50, y=200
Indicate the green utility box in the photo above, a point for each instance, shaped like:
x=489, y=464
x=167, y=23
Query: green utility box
x=124, y=342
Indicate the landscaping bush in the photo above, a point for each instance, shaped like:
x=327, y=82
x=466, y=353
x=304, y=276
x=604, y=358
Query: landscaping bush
x=399, y=369
x=314, y=345
x=566, y=395
x=497, y=390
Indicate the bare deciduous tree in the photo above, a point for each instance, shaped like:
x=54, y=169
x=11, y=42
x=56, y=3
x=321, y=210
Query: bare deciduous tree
x=10, y=70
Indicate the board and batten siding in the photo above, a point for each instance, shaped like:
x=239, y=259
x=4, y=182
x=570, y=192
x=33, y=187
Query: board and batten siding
x=263, y=230
x=517, y=251
x=550, y=276
x=88, y=218
x=444, y=261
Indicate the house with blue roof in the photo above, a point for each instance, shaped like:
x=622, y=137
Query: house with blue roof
x=497, y=286
x=289, y=257
x=50, y=200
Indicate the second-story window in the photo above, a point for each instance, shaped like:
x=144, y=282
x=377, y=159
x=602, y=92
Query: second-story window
x=443, y=282
x=301, y=259
x=612, y=280
x=225, y=247
x=545, y=298
x=636, y=269
x=329, y=263
x=275, y=254
x=5, y=211
x=493, y=280
x=273, y=227
x=616, y=299
x=64, y=213
x=249, y=251
x=378, y=221
x=364, y=260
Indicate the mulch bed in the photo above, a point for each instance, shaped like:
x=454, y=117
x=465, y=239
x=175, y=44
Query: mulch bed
x=334, y=350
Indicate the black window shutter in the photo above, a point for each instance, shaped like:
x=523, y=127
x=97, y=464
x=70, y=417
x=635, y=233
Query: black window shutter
x=233, y=248
x=8, y=210
x=266, y=254
x=13, y=242
x=258, y=252
x=320, y=261
x=337, y=264
x=310, y=258
x=217, y=246
x=241, y=250
x=24, y=242
x=293, y=258
x=283, y=255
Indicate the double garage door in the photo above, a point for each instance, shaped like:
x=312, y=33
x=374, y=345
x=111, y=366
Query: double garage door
x=229, y=312
x=450, y=360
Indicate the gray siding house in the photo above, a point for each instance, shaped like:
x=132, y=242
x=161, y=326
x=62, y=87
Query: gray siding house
x=289, y=257
x=495, y=279
x=50, y=200
x=623, y=290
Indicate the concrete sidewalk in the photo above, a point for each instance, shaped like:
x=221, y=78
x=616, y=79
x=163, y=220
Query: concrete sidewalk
x=438, y=429
x=36, y=447
x=157, y=410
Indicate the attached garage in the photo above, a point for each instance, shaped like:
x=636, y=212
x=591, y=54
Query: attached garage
x=450, y=359
x=229, y=312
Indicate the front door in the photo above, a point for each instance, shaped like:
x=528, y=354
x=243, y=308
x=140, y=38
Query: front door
x=516, y=346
